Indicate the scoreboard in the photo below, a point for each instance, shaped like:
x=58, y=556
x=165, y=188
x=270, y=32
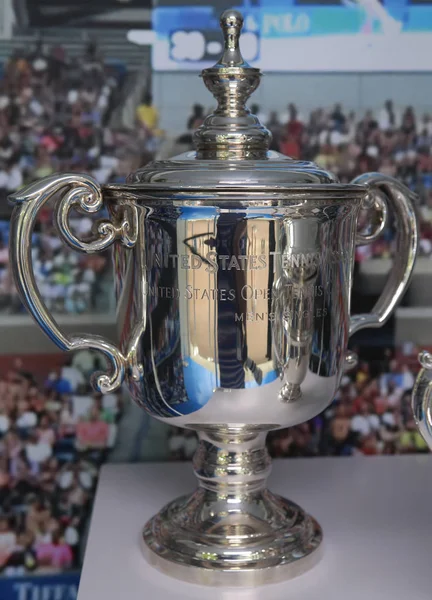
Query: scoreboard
x=298, y=35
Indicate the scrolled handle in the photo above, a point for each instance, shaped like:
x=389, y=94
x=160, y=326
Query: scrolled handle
x=421, y=400
x=400, y=198
x=84, y=193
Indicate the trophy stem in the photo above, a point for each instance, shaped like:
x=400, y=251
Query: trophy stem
x=232, y=461
x=232, y=529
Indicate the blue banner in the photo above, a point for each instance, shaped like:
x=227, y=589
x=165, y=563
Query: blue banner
x=298, y=35
x=40, y=587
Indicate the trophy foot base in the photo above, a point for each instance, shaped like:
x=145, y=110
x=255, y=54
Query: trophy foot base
x=218, y=540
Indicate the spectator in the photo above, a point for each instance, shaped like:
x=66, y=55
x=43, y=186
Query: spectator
x=38, y=450
x=72, y=375
x=68, y=420
x=4, y=420
x=338, y=119
x=276, y=129
x=262, y=116
x=23, y=556
x=53, y=117
x=197, y=117
x=340, y=439
x=45, y=431
x=387, y=118
x=92, y=434
x=26, y=418
x=365, y=423
x=370, y=415
x=294, y=127
x=8, y=540
x=45, y=491
x=410, y=439
x=147, y=114
x=55, y=553
x=289, y=145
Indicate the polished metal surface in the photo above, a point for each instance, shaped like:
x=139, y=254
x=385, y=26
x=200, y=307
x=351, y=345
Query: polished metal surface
x=405, y=252
x=81, y=192
x=422, y=398
x=232, y=523
x=244, y=310
x=232, y=132
x=233, y=273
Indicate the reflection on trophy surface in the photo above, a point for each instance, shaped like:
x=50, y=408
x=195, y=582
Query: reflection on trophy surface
x=422, y=398
x=295, y=307
x=233, y=268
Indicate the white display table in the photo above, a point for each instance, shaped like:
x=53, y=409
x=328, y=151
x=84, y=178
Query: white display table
x=376, y=514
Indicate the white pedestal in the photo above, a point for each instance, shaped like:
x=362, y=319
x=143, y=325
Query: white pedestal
x=376, y=514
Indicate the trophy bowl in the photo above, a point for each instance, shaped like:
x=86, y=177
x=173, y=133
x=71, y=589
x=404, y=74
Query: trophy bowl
x=233, y=270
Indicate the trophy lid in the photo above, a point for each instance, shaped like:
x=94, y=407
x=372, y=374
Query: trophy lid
x=232, y=146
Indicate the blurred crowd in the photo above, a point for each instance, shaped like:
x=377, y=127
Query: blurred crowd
x=55, y=115
x=370, y=415
x=392, y=141
x=54, y=434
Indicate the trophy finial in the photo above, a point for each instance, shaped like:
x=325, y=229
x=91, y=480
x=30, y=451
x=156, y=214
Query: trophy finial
x=231, y=23
x=232, y=132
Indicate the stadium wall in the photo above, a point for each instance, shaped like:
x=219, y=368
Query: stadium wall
x=174, y=93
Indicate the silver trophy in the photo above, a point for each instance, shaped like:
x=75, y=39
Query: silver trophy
x=233, y=272
x=422, y=398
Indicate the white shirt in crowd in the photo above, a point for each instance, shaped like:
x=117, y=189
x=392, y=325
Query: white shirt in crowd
x=73, y=376
x=65, y=480
x=72, y=96
x=7, y=541
x=54, y=242
x=4, y=423
x=69, y=259
x=81, y=405
x=38, y=452
x=365, y=424
x=26, y=420
x=384, y=120
x=71, y=536
x=426, y=246
x=44, y=538
x=109, y=402
x=389, y=419
x=85, y=479
x=83, y=225
x=89, y=276
x=407, y=381
x=337, y=138
x=84, y=361
x=394, y=398
x=107, y=166
x=11, y=180
x=67, y=419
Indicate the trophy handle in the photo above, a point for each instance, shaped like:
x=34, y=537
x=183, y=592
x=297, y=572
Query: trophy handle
x=421, y=400
x=400, y=197
x=82, y=193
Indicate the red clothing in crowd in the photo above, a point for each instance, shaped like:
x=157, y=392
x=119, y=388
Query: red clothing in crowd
x=92, y=434
x=290, y=148
x=56, y=555
x=295, y=128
